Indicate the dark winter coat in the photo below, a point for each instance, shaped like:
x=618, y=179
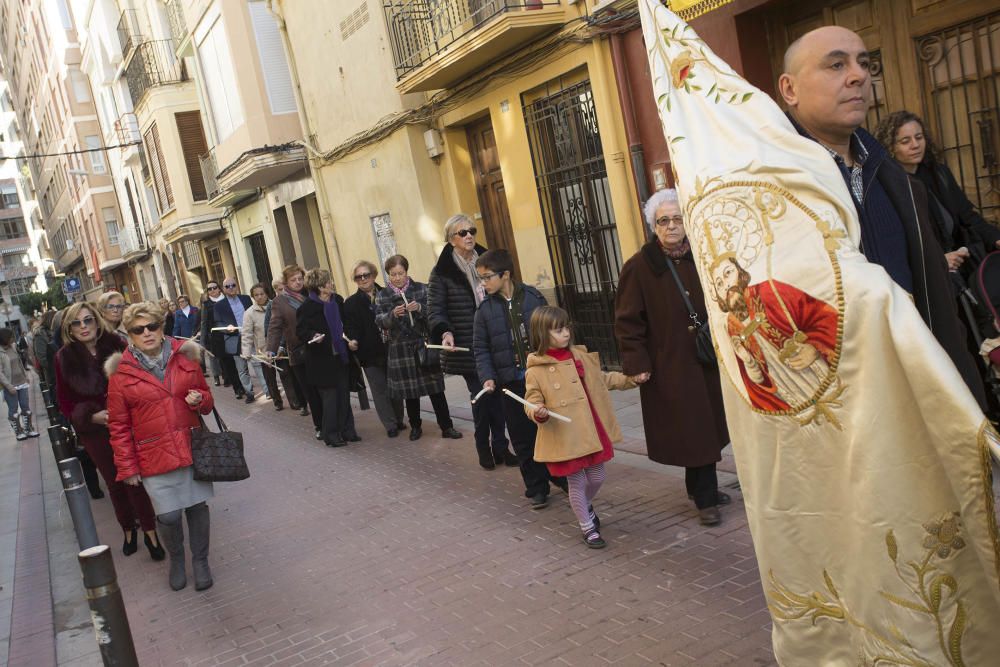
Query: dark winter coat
x=682, y=409
x=220, y=314
x=407, y=379
x=40, y=345
x=186, y=326
x=452, y=307
x=968, y=228
x=320, y=358
x=492, y=343
x=82, y=388
x=281, y=327
x=150, y=422
x=359, y=325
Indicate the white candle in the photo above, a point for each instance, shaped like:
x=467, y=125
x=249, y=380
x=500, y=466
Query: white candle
x=407, y=303
x=535, y=407
x=431, y=346
x=480, y=394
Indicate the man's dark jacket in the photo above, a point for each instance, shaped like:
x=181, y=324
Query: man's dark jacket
x=359, y=325
x=451, y=306
x=186, y=326
x=220, y=314
x=492, y=344
x=932, y=291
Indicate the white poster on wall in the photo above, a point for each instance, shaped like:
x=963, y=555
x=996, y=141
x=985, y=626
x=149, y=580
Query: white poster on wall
x=385, y=240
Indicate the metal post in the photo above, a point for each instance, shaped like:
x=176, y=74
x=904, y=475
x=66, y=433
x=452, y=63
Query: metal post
x=107, y=609
x=60, y=444
x=78, y=499
x=46, y=395
x=53, y=413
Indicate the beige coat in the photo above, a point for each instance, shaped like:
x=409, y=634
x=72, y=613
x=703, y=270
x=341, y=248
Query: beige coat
x=556, y=385
x=254, y=337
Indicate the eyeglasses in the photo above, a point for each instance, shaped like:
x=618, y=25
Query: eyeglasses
x=114, y=306
x=362, y=276
x=485, y=278
x=85, y=322
x=677, y=220
x=138, y=329
x=465, y=232
x=229, y=285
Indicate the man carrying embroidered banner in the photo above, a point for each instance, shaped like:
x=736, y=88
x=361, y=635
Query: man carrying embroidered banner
x=863, y=456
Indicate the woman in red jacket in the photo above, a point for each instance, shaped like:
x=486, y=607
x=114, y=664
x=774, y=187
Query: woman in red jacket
x=81, y=392
x=155, y=392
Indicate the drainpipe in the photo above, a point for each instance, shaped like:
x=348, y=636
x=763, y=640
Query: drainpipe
x=628, y=113
x=307, y=133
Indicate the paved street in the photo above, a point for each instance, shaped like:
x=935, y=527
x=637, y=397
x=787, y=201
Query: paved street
x=388, y=552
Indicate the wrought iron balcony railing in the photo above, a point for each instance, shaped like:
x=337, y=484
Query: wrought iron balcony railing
x=209, y=172
x=128, y=31
x=154, y=64
x=127, y=130
x=420, y=29
x=178, y=24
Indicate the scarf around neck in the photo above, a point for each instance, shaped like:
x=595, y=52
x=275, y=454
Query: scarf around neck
x=675, y=253
x=156, y=365
x=400, y=290
x=333, y=322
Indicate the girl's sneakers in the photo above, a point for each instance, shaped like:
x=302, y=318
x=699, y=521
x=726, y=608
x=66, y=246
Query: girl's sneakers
x=593, y=539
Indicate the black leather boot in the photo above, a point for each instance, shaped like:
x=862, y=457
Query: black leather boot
x=198, y=531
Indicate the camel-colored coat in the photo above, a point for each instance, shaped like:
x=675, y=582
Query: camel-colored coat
x=556, y=385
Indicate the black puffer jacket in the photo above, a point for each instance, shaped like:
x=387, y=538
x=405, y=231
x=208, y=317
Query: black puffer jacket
x=451, y=306
x=493, y=346
x=359, y=325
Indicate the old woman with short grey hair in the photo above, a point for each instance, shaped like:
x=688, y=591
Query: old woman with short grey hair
x=454, y=294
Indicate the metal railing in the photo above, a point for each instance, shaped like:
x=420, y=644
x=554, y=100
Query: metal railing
x=154, y=64
x=420, y=29
x=178, y=24
x=127, y=130
x=209, y=172
x=129, y=241
x=128, y=31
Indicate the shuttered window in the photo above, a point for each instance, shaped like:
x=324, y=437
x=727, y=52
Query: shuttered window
x=273, y=64
x=193, y=146
x=161, y=180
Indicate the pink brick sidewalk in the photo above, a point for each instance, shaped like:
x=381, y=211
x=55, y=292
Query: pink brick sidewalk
x=388, y=552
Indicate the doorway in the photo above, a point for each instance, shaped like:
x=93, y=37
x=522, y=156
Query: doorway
x=489, y=187
x=261, y=264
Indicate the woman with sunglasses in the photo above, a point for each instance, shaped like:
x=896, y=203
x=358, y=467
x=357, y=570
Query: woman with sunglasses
x=156, y=391
x=110, y=306
x=454, y=292
x=82, y=393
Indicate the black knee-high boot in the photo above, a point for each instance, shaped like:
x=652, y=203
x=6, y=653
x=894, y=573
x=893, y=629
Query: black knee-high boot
x=198, y=531
x=170, y=528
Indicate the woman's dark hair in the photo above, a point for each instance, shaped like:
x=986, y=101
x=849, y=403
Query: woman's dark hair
x=497, y=261
x=889, y=126
x=47, y=318
x=543, y=320
x=6, y=336
x=397, y=260
x=260, y=286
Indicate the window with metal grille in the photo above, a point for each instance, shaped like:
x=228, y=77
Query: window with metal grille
x=192, y=255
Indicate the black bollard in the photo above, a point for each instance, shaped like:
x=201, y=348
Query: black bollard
x=107, y=608
x=60, y=445
x=78, y=499
x=46, y=396
x=53, y=413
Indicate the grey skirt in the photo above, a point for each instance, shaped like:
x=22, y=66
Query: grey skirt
x=176, y=490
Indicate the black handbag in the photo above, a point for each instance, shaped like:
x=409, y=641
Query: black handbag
x=217, y=457
x=704, y=349
x=427, y=358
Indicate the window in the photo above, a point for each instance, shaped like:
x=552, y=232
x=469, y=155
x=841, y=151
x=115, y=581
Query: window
x=215, y=270
x=12, y=228
x=193, y=146
x=111, y=222
x=16, y=260
x=97, y=161
x=192, y=256
x=158, y=168
x=81, y=86
x=219, y=75
x=8, y=196
x=19, y=286
x=273, y=63
x=67, y=22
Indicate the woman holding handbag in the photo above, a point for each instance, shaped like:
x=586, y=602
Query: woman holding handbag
x=156, y=391
x=658, y=309
x=401, y=310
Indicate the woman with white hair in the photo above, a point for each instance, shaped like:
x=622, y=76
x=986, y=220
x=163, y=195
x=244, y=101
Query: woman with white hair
x=681, y=397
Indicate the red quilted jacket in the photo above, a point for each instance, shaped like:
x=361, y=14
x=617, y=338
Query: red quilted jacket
x=150, y=422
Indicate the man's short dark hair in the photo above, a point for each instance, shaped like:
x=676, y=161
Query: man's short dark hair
x=496, y=261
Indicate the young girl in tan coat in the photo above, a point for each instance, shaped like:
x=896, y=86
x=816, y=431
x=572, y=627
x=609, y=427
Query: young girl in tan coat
x=569, y=380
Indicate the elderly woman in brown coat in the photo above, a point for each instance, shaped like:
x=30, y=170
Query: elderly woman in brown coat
x=682, y=410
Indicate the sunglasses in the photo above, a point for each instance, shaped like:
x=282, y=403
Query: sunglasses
x=362, y=276
x=466, y=232
x=212, y=287
x=85, y=322
x=152, y=326
x=115, y=306
x=229, y=285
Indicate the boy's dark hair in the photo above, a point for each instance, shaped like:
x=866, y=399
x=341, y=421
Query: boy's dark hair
x=497, y=261
x=543, y=320
x=6, y=336
x=260, y=286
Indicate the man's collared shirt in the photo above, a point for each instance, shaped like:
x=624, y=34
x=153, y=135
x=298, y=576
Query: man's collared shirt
x=855, y=172
x=238, y=309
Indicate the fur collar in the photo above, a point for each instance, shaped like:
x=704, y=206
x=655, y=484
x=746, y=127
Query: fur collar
x=188, y=348
x=81, y=371
x=446, y=265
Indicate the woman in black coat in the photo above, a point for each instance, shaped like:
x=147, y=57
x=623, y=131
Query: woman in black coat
x=454, y=294
x=319, y=324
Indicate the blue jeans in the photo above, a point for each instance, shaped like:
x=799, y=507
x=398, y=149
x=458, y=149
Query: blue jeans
x=15, y=399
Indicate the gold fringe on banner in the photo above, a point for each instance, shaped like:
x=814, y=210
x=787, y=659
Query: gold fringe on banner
x=690, y=9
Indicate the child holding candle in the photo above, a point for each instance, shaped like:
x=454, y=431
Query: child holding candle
x=569, y=379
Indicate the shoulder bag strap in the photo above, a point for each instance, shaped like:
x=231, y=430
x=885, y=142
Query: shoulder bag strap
x=218, y=420
x=684, y=295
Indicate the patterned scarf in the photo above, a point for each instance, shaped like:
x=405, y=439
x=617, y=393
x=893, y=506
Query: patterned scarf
x=156, y=365
x=675, y=253
x=400, y=290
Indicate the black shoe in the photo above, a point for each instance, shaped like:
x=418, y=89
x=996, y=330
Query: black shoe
x=240, y=396
x=561, y=483
x=416, y=432
x=593, y=539
x=131, y=544
x=319, y=434
x=336, y=442
x=249, y=398
x=304, y=412
x=593, y=517
x=392, y=432
x=539, y=501
x=402, y=426
x=710, y=516
x=96, y=494
x=450, y=433
x=486, y=460
x=510, y=459
x=353, y=437
x=217, y=383
x=721, y=498
x=156, y=551
x=278, y=407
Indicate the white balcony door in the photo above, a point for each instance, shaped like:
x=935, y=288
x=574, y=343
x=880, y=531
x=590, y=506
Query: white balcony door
x=273, y=64
x=219, y=76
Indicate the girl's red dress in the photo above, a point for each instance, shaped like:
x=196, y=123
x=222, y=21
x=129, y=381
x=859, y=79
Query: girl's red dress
x=563, y=468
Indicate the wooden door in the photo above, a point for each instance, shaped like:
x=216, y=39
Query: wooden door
x=496, y=228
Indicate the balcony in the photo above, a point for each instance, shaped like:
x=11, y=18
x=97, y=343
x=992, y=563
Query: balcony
x=129, y=243
x=127, y=135
x=437, y=43
x=69, y=256
x=154, y=64
x=259, y=168
x=178, y=24
x=209, y=170
x=128, y=31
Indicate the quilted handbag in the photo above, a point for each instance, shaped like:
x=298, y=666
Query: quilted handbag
x=218, y=457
